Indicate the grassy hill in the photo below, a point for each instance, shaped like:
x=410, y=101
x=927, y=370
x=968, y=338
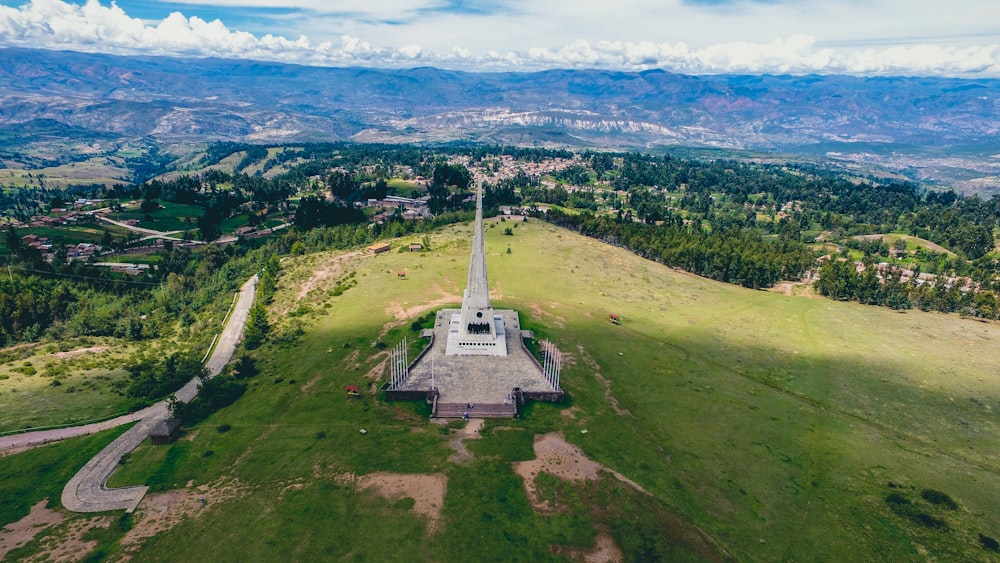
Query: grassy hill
x=762, y=426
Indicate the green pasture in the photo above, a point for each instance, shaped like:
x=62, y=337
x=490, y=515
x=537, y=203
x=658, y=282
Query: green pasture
x=912, y=243
x=60, y=384
x=776, y=425
x=170, y=217
x=405, y=188
x=230, y=225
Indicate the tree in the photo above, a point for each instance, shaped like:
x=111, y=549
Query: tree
x=257, y=327
x=13, y=241
x=900, y=247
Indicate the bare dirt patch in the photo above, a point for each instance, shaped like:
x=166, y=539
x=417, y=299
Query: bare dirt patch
x=426, y=490
x=160, y=512
x=68, y=545
x=606, y=551
x=79, y=352
x=401, y=311
x=556, y=456
x=570, y=413
x=311, y=382
x=792, y=289
x=332, y=269
x=16, y=534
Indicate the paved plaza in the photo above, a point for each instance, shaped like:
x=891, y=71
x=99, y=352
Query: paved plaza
x=476, y=379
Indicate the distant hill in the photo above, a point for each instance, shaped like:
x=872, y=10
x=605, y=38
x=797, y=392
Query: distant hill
x=934, y=129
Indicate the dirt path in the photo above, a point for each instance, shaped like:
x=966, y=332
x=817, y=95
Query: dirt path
x=605, y=383
x=457, y=441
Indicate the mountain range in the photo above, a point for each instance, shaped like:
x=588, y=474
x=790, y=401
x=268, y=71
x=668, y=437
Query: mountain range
x=939, y=130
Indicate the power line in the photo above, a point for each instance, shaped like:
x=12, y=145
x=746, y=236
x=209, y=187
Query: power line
x=23, y=269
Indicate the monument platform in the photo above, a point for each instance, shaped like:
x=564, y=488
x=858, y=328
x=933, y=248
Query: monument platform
x=480, y=380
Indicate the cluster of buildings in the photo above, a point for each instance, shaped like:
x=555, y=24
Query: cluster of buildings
x=411, y=209
x=79, y=251
x=884, y=269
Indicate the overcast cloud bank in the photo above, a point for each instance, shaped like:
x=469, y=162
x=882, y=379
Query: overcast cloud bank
x=94, y=27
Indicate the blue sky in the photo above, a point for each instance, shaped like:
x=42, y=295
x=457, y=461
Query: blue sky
x=868, y=37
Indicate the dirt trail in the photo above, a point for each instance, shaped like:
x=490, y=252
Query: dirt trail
x=457, y=442
x=592, y=364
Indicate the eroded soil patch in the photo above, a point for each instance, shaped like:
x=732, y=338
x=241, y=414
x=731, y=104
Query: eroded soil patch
x=606, y=551
x=556, y=456
x=426, y=490
x=159, y=512
x=16, y=534
x=79, y=352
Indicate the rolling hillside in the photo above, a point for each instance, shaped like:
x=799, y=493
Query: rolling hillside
x=761, y=426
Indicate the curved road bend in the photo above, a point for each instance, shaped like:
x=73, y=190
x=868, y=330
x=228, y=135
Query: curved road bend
x=86, y=491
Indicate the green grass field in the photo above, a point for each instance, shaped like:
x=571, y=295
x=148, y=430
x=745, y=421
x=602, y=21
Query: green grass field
x=405, y=188
x=39, y=474
x=51, y=385
x=778, y=425
x=170, y=217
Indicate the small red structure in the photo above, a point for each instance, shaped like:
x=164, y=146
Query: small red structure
x=614, y=318
x=401, y=275
x=353, y=390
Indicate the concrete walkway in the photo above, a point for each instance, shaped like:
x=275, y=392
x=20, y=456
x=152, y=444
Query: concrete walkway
x=86, y=491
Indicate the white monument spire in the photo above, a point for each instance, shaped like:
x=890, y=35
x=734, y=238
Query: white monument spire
x=477, y=330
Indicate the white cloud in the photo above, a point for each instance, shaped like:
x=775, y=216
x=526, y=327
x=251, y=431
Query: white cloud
x=108, y=28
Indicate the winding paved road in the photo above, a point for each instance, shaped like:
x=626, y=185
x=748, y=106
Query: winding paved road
x=86, y=491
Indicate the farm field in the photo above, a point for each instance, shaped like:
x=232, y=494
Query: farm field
x=762, y=426
x=170, y=217
x=106, y=170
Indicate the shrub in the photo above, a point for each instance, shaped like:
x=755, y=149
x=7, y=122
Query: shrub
x=896, y=498
x=223, y=428
x=930, y=521
x=937, y=497
x=989, y=543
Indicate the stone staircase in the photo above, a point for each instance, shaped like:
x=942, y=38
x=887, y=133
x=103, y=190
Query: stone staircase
x=488, y=410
